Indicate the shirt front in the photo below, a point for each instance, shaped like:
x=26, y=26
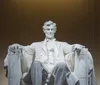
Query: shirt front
x=50, y=62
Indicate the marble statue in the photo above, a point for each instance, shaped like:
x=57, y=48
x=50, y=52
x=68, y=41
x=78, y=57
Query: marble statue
x=49, y=62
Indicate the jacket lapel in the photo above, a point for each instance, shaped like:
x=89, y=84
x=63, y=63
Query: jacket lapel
x=43, y=46
x=57, y=48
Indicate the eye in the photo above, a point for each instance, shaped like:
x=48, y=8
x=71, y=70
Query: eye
x=52, y=29
x=48, y=29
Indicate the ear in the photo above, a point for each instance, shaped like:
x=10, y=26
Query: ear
x=55, y=30
x=43, y=30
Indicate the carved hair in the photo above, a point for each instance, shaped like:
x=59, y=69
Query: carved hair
x=49, y=23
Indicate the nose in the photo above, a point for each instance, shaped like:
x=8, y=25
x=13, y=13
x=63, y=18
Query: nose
x=50, y=30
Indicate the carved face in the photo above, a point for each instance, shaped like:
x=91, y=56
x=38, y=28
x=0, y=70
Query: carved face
x=49, y=32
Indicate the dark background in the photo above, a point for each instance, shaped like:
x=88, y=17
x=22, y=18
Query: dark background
x=77, y=21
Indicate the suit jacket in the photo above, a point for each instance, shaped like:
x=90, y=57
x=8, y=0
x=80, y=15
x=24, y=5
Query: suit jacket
x=37, y=51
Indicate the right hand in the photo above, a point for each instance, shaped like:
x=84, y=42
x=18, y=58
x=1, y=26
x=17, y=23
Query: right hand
x=15, y=49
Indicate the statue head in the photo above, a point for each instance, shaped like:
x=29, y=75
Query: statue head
x=49, y=28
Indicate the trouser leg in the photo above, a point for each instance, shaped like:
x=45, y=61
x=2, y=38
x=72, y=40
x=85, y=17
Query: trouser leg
x=77, y=83
x=60, y=74
x=37, y=75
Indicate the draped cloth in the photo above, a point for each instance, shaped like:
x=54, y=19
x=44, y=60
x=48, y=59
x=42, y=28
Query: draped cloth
x=84, y=68
x=14, y=69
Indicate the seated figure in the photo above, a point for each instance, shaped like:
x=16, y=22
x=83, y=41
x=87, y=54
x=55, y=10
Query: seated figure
x=49, y=62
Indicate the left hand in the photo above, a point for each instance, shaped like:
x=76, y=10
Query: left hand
x=77, y=48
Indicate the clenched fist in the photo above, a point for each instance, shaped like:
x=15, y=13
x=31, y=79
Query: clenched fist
x=77, y=48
